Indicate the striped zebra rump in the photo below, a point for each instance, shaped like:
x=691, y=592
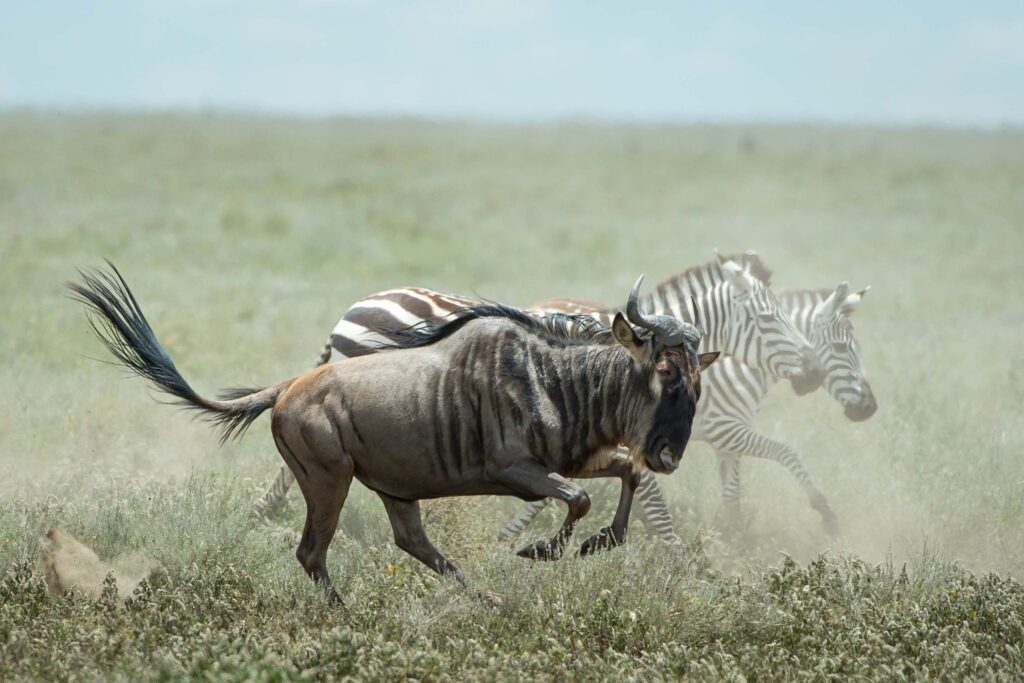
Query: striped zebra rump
x=374, y=322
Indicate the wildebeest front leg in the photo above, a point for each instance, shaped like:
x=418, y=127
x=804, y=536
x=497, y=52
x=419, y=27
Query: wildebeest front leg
x=532, y=481
x=609, y=537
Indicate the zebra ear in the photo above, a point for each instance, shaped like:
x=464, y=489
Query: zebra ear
x=626, y=335
x=737, y=277
x=849, y=304
x=830, y=306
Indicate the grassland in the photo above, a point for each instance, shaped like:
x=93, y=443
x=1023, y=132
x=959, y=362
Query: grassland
x=245, y=239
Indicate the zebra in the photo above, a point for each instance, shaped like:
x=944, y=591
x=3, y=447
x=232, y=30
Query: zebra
x=732, y=396
x=740, y=316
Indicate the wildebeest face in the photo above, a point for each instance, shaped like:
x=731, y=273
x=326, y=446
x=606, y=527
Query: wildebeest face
x=673, y=376
x=676, y=379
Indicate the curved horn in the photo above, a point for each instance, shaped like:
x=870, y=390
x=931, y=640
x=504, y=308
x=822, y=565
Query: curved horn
x=633, y=313
x=667, y=330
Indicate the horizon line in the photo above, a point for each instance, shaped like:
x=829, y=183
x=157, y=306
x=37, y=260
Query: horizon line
x=553, y=120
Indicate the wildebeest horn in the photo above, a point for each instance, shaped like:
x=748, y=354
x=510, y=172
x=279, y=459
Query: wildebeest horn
x=667, y=330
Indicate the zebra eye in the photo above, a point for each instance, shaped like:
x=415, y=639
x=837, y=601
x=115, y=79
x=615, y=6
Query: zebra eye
x=766, y=316
x=840, y=347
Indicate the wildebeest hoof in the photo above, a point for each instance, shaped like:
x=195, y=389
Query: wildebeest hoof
x=541, y=550
x=603, y=540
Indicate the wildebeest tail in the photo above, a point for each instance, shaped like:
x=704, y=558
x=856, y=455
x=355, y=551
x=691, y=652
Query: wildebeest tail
x=118, y=321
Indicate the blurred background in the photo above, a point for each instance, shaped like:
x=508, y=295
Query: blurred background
x=254, y=168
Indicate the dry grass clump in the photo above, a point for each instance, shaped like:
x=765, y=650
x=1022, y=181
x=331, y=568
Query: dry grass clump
x=69, y=565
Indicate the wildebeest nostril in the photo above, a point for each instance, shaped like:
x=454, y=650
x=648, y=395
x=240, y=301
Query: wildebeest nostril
x=667, y=462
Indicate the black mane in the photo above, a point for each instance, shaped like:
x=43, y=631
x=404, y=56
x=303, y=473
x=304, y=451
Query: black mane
x=562, y=329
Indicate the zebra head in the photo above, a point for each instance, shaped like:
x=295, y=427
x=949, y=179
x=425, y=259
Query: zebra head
x=760, y=332
x=836, y=344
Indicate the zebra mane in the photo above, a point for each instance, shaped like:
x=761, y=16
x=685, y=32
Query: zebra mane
x=562, y=329
x=804, y=297
x=757, y=266
x=705, y=274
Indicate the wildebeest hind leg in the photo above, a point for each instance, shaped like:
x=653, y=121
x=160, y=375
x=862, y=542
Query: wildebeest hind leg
x=324, y=483
x=533, y=481
x=407, y=525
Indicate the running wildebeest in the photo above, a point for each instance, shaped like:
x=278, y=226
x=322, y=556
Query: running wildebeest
x=492, y=401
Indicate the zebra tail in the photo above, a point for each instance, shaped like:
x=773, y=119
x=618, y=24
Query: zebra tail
x=120, y=324
x=325, y=355
x=274, y=496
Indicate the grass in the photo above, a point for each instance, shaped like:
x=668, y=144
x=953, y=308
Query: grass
x=245, y=239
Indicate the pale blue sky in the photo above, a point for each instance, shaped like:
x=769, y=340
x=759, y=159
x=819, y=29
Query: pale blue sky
x=958, y=63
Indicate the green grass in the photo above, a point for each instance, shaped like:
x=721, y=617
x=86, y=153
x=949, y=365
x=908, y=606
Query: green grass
x=245, y=240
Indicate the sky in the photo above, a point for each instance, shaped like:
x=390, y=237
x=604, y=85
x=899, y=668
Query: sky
x=947, y=63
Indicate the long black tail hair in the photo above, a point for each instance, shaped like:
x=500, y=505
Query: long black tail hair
x=118, y=321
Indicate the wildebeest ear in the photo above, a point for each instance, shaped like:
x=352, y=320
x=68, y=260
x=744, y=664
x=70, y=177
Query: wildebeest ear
x=626, y=335
x=706, y=359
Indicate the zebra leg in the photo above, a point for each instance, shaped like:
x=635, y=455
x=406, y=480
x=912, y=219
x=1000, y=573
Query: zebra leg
x=271, y=501
x=763, y=447
x=654, y=511
x=729, y=474
x=522, y=519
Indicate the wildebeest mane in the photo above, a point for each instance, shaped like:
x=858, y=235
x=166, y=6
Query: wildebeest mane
x=561, y=329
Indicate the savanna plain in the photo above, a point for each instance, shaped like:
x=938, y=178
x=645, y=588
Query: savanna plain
x=245, y=239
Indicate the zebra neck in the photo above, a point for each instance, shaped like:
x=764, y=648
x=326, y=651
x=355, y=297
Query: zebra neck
x=713, y=300
x=799, y=305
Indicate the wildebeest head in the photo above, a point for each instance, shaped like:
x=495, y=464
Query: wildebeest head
x=667, y=360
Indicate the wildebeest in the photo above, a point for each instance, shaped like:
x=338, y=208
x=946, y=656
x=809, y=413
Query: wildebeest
x=493, y=401
x=740, y=316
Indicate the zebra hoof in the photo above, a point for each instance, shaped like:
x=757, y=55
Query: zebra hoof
x=541, y=550
x=603, y=540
